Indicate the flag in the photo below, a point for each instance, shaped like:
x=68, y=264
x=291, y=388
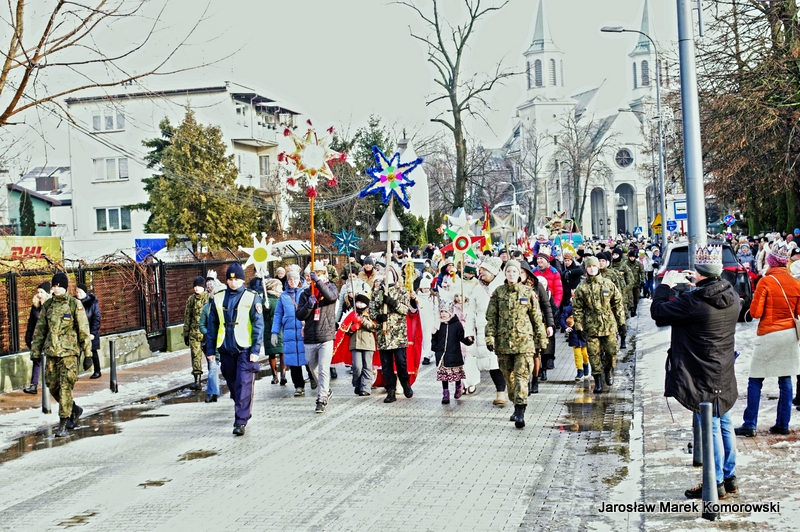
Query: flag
x=486, y=230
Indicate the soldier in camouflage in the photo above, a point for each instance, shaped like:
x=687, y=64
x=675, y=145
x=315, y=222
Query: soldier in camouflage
x=192, y=336
x=637, y=270
x=604, y=259
x=599, y=313
x=62, y=334
x=515, y=332
x=390, y=304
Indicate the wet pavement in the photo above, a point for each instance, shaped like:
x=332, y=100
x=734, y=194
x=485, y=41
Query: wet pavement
x=169, y=461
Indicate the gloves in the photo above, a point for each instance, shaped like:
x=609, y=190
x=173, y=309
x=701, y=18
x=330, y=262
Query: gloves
x=381, y=318
x=312, y=301
x=186, y=340
x=390, y=301
x=469, y=340
x=490, y=347
x=568, y=329
x=314, y=277
x=273, y=340
x=87, y=363
x=623, y=331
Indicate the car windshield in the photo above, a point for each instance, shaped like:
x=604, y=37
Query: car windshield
x=679, y=258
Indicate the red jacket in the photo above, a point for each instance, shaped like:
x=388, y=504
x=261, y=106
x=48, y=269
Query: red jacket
x=770, y=305
x=553, y=283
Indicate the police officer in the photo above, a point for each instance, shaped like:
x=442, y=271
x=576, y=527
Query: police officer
x=599, y=311
x=236, y=329
x=192, y=336
x=515, y=333
x=62, y=331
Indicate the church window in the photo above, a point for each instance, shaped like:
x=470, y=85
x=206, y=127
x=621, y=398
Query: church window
x=528, y=74
x=553, y=72
x=624, y=158
x=537, y=72
x=562, y=72
x=635, y=77
x=645, y=74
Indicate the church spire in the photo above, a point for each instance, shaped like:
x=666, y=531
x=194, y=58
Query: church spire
x=541, y=32
x=643, y=46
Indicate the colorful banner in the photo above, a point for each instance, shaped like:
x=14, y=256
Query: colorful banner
x=29, y=251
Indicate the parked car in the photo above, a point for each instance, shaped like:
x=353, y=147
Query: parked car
x=677, y=258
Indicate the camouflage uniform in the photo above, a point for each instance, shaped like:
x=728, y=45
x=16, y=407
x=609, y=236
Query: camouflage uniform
x=394, y=333
x=637, y=270
x=62, y=334
x=622, y=268
x=615, y=277
x=191, y=329
x=599, y=311
x=332, y=275
x=515, y=328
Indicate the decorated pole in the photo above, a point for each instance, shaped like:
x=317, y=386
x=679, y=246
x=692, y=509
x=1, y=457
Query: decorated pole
x=346, y=242
x=313, y=245
x=389, y=230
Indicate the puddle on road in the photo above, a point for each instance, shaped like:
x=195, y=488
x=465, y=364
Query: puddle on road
x=77, y=520
x=196, y=455
x=108, y=421
x=154, y=483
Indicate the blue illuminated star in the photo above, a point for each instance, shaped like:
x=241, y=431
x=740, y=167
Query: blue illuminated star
x=346, y=241
x=390, y=177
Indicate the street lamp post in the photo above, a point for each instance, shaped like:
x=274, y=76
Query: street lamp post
x=619, y=29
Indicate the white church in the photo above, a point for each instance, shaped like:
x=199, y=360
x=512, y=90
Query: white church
x=622, y=194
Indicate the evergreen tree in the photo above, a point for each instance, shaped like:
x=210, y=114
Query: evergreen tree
x=195, y=191
x=27, y=220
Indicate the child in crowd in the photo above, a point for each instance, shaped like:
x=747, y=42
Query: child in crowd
x=445, y=344
x=578, y=347
x=361, y=329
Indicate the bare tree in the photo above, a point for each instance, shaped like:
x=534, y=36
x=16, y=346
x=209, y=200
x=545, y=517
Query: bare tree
x=466, y=96
x=67, y=48
x=582, y=146
x=527, y=153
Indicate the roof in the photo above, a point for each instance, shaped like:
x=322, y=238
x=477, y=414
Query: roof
x=34, y=194
x=63, y=194
x=583, y=101
x=643, y=46
x=542, y=40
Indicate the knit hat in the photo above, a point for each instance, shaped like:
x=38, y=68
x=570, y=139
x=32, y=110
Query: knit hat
x=591, y=261
x=618, y=252
x=708, y=260
x=545, y=252
x=632, y=253
x=83, y=287
x=274, y=285
x=198, y=281
x=280, y=270
x=60, y=279
x=492, y=265
x=45, y=286
x=368, y=260
x=426, y=280
x=778, y=256
x=235, y=271
x=603, y=255
x=319, y=266
x=513, y=264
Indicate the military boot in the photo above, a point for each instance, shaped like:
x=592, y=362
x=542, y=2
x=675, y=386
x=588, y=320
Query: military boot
x=72, y=421
x=519, y=416
x=533, y=385
x=622, y=343
x=196, y=384
x=598, y=383
x=390, y=396
x=609, y=376
x=62, y=431
x=542, y=374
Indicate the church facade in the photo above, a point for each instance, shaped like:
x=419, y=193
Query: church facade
x=620, y=196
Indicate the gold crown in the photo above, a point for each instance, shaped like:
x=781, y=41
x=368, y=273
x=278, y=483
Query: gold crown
x=710, y=255
x=780, y=251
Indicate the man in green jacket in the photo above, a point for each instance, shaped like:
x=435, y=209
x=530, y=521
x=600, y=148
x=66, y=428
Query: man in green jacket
x=192, y=336
x=515, y=332
x=62, y=334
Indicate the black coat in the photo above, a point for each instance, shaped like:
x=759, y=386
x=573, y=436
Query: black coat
x=324, y=329
x=33, y=317
x=92, y=308
x=447, y=341
x=699, y=364
x=570, y=280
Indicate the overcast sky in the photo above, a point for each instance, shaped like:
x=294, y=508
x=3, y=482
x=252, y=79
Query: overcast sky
x=339, y=61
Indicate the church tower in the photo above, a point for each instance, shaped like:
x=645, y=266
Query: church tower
x=642, y=65
x=544, y=63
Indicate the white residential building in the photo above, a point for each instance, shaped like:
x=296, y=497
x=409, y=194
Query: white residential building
x=107, y=158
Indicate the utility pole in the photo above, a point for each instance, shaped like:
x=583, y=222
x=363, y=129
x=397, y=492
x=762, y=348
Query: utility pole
x=692, y=148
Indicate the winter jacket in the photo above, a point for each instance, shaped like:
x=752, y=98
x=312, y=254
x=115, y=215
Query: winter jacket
x=393, y=333
x=573, y=340
x=92, y=308
x=269, y=317
x=475, y=323
x=318, y=331
x=363, y=338
x=769, y=304
x=553, y=283
x=33, y=317
x=514, y=322
x=572, y=278
x=285, y=321
x=699, y=363
x=599, y=307
x=446, y=342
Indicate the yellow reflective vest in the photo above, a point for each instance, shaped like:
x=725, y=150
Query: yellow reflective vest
x=242, y=328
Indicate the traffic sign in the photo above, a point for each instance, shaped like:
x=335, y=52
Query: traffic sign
x=679, y=208
x=638, y=230
x=672, y=225
x=657, y=222
x=729, y=220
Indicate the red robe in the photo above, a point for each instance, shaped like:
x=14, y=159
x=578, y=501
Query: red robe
x=341, y=344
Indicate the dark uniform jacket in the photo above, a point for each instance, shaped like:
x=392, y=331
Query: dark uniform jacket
x=324, y=329
x=700, y=360
x=92, y=308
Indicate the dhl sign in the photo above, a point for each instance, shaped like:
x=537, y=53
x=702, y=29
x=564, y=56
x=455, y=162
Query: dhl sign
x=30, y=250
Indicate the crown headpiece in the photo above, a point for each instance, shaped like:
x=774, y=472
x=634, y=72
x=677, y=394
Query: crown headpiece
x=708, y=255
x=545, y=250
x=780, y=251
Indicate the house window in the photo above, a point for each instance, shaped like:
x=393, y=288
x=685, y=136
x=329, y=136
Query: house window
x=635, y=77
x=553, y=72
x=111, y=169
x=537, y=73
x=645, y=74
x=111, y=120
x=113, y=219
x=263, y=165
x=561, y=64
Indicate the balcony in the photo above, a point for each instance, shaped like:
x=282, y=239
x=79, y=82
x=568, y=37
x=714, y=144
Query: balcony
x=257, y=135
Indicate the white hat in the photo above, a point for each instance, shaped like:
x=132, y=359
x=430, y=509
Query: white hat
x=426, y=280
x=492, y=265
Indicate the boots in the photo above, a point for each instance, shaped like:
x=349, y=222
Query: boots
x=519, y=416
x=459, y=390
x=542, y=374
x=609, y=376
x=586, y=373
x=72, y=420
x=196, y=384
x=533, y=385
x=622, y=343
x=500, y=399
x=33, y=389
x=446, y=397
x=390, y=396
x=62, y=431
x=598, y=383
x=407, y=391
x=795, y=401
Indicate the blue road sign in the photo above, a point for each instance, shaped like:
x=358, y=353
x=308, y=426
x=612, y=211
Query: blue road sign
x=672, y=225
x=729, y=220
x=638, y=230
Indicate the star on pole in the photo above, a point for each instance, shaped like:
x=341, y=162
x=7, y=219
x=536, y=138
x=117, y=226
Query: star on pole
x=312, y=158
x=390, y=177
x=260, y=254
x=503, y=225
x=345, y=241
